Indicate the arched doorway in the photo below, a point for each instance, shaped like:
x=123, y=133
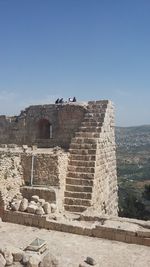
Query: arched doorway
x=44, y=129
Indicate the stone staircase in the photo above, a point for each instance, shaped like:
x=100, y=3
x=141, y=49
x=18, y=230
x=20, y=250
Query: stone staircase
x=82, y=159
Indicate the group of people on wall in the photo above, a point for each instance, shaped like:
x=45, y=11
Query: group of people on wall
x=60, y=101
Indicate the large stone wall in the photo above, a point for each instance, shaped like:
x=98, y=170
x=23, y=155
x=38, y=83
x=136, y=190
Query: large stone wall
x=49, y=170
x=46, y=166
x=91, y=182
x=33, y=124
x=11, y=177
x=105, y=197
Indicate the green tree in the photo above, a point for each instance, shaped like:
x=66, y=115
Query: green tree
x=146, y=193
x=132, y=207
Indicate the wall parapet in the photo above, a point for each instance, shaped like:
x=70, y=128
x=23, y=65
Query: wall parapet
x=140, y=236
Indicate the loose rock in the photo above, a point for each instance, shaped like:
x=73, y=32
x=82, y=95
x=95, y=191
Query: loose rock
x=2, y=261
x=16, y=252
x=35, y=198
x=23, y=204
x=47, y=208
x=15, y=205
x=41, y=201
x=8, y=257
x=53, y=207
x=34, y=261
x=90, y=261
x=31, y=208
x=49, y=261
x=25, y=258
x=39, y=211
x=32, y=202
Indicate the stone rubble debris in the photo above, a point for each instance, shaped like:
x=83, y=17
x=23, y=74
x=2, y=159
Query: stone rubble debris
x=13, y=256
x=36, y=206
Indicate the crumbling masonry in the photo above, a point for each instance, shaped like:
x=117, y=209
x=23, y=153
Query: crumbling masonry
x=68, y=149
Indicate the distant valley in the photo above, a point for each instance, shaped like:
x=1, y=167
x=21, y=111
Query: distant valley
x=133, y=161
x=133, y=137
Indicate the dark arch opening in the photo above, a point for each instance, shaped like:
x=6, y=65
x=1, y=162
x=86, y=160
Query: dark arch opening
x=44, y=129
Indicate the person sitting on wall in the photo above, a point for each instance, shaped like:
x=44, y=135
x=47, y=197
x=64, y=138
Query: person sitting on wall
x=61, y=101
x=57, y=101
x=74, y=99
x=70, y=99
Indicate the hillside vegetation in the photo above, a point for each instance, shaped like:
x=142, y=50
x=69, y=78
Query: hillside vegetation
x=133, y=167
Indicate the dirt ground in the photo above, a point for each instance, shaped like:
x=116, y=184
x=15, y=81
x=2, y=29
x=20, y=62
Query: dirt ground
x=72, y=249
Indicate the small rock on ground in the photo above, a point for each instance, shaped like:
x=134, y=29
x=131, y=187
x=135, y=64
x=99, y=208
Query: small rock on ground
x=2, y=261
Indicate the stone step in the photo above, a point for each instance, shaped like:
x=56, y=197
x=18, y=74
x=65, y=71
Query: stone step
x=82, y=163
x=82, y=140
x=82, y=151
x=87, y=135
x=78, y=209
x=84, y=182
x=79, y=188
x=96, y=108
x=81, y=195
x=80, y=175
x=99, y=107
x=77, y=201
x=94, y=119
x=82, y=157
x=98, y=112
x=90, y=129
x=81, y=169
x=83, y=146
x=92, y=124
x=94, y=114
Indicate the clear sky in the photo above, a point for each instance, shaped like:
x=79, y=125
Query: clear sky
x=93, y=49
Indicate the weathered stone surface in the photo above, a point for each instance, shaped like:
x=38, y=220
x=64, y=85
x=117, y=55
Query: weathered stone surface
x=23, y=204
x=32, y=202
x=90, y=261
x=41, y=201
x=39, y=211
x=8, y=257
x=53, y=207
x=16, y=253
x=2, y=261
x=94, y=142
x=50, y=261
x=35, y=198
x=47, y=208
x=17, y=264
x=18, y=196
x=15, y=205
x=25, y=258
x=34, y=260
x=31, y=208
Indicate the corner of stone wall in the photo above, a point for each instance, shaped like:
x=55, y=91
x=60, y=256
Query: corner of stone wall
x=10, y=174
x=2, y=204
x=62, y=173
x=104, y=196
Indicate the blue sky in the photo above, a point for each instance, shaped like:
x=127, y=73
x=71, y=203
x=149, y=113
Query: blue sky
x=93, y=49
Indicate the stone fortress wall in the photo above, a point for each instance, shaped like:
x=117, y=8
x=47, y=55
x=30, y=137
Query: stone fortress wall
x=45, y=125
x=73, y=146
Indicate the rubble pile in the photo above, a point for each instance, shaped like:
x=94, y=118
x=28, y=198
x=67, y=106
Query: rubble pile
x=36, y=205
x=12, y=256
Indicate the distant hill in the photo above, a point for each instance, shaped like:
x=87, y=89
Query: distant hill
x=133, y=137
x=133, y=168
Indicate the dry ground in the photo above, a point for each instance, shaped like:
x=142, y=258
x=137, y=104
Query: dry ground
x=72, y=249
